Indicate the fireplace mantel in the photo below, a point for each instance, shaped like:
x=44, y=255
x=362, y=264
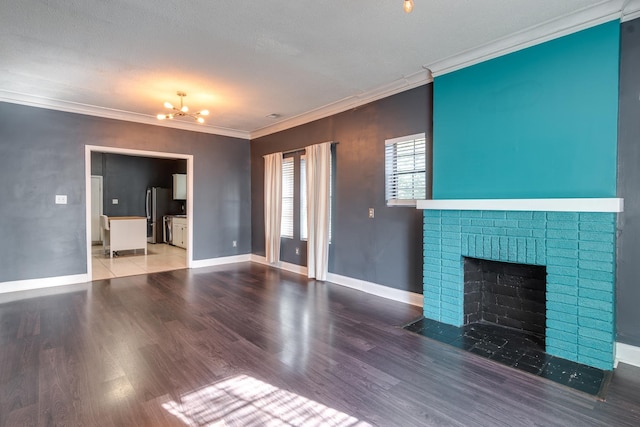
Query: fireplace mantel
x=548, y=205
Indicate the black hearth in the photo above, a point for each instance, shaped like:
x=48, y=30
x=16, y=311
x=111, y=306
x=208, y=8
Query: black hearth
x=517, y=349
x=505, y=321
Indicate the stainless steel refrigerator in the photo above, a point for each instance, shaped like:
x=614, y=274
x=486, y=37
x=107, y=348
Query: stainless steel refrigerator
x=159, y=202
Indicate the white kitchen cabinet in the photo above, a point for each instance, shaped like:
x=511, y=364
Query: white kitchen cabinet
x=179, y=186
x=180, y=232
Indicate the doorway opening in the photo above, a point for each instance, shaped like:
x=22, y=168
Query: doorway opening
x=140, y=189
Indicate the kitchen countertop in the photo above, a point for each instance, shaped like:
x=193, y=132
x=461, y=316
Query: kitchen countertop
x=115, y=218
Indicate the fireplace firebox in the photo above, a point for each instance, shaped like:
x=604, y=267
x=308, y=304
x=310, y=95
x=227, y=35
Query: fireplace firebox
x=506, y=294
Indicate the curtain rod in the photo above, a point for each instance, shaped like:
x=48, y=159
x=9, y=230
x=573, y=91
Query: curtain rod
x=297, y=150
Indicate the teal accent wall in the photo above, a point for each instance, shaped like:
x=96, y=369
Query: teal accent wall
x=537, y=123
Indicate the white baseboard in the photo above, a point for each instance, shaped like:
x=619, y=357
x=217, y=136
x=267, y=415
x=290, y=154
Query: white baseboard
x=349, y=282
x=294, y=268
x=626, y=353
x=211, y=262
x=376, y=289
x=47, y=282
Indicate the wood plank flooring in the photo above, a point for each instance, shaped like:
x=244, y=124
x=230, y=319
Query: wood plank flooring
x=249, y=345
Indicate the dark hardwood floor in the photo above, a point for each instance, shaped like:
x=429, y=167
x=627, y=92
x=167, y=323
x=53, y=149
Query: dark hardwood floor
x=249, y=345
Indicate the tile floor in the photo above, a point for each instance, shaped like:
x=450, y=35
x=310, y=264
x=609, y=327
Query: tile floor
x=517, y=349
x=160, y=257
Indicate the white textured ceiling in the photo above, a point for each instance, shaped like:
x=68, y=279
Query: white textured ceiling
x=242, y=60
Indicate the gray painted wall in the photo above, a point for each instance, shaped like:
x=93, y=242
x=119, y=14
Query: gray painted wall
x=628, y=280
x=387, y=249
x=42, y=154
x=127, y=178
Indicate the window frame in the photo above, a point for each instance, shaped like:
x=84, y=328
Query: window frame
x=391, y=189
x=303, y=198
x=286, y=161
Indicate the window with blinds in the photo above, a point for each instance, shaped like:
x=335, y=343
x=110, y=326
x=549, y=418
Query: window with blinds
x=406, y=170
x=286, y=226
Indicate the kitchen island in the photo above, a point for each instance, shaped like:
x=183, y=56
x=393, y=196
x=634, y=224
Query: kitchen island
x=127, y=233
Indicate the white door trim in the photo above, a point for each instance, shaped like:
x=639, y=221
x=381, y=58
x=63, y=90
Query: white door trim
x=88, y=149
x=101, y=208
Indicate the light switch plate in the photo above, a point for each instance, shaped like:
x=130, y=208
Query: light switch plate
x=61, y=199
x=114, y=201
x=372, y=213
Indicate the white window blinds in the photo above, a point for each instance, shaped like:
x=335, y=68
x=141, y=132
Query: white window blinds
x=405, y=170
x=286, y=226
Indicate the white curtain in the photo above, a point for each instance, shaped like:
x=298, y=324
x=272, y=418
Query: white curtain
x=272, y=205
x=318, y=169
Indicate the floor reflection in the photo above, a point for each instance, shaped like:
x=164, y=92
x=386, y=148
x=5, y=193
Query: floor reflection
x=244, y=400
x=300, y=324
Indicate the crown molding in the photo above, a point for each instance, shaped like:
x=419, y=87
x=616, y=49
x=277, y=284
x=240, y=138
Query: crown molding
x=405, y=83
x=605, y=11
x=109, y=113
x=585, y=18
x=631, y=10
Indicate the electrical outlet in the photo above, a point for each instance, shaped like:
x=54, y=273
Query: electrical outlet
x=297, y=251
x=371, y=213
x=234, y=244
x=61, y=199
x=114, y=201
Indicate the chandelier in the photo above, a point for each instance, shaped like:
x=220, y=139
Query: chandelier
x=183, y=111
x=408, y=6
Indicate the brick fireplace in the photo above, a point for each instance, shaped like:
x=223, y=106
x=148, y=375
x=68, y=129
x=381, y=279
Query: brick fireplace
x=577, y=248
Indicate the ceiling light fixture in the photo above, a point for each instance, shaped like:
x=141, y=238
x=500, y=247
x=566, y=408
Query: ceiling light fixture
x=183, y=111
x=408, y=6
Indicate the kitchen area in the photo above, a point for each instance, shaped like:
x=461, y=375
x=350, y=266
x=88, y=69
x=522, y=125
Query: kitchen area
x=175, y=226
x=147, y=195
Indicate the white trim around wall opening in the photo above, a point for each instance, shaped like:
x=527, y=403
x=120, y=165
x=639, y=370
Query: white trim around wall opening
x=140, y=153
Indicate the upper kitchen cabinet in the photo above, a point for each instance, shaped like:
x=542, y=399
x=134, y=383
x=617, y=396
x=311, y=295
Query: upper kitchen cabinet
x=179, y=186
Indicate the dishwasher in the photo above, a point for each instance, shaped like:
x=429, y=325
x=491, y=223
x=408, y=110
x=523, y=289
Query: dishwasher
x=167, y=229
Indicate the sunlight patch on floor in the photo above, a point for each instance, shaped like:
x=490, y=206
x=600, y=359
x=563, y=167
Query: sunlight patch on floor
x=244, y=400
